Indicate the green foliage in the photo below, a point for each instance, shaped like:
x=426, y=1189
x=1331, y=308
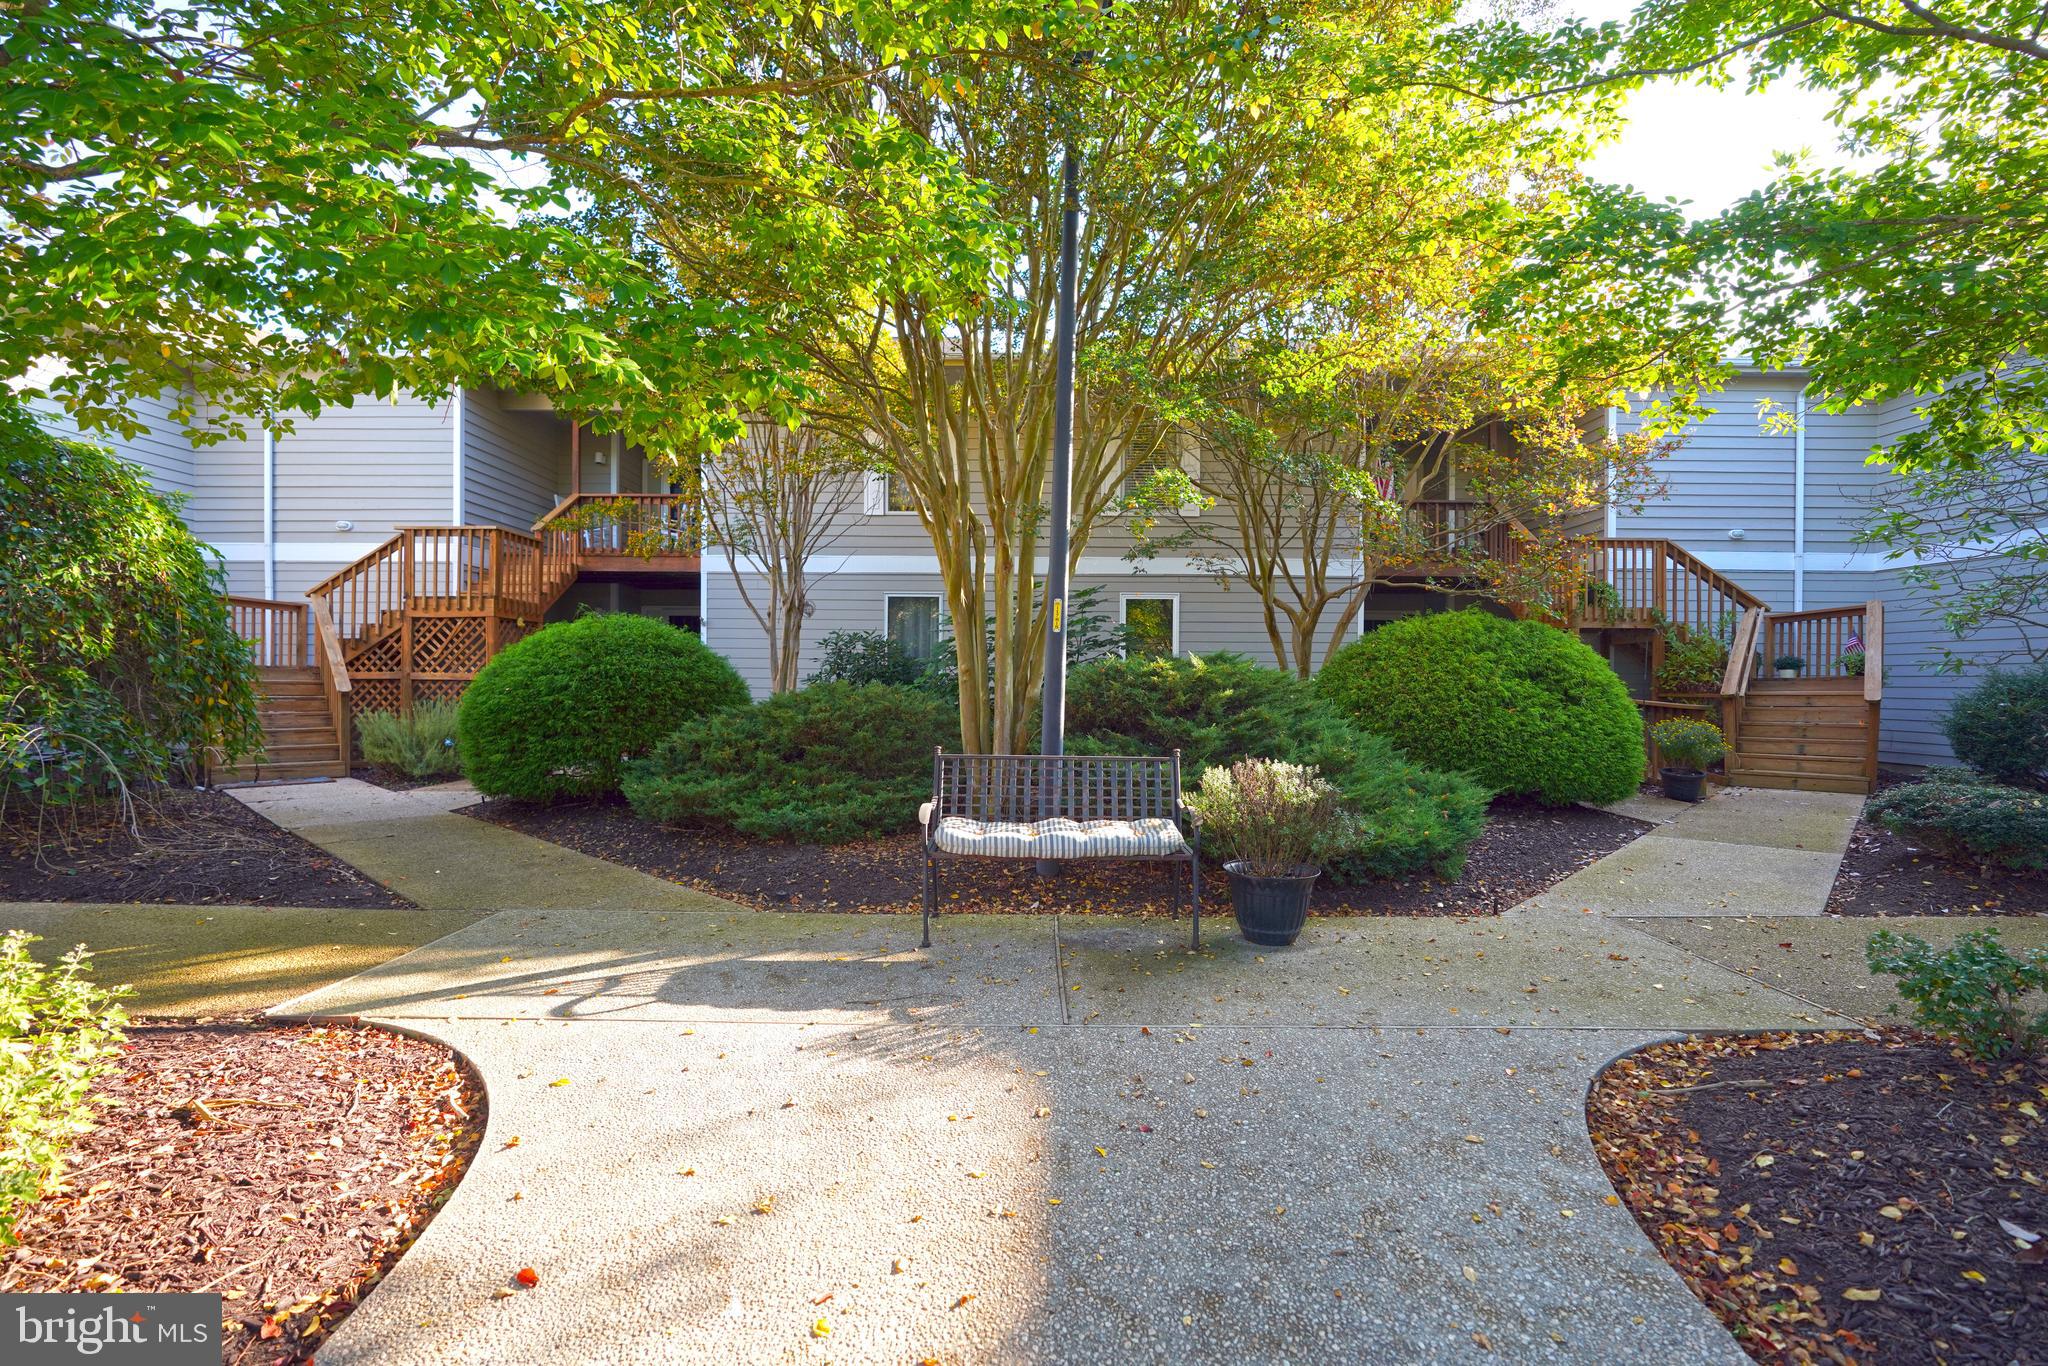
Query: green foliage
x=117, y=658
x=1913, y=269
x=1974, y=992
x=1793, y=662
x=829, y=763
x=1689, y=742
x=1220, y=708
x=1520, y=706
x=1693, y=661
x=1969, y=821
x=2000, y=727
x=558, y=713
x=1273, y=818
x=1092, y=634
x=421, y=745
x=58, y=1035
x=861, y=657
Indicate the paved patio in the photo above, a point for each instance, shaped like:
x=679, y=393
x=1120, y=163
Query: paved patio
x=761, y=1136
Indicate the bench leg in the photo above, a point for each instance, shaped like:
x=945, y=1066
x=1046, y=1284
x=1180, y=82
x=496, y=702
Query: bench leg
x=931, y=896
x=1195, y=894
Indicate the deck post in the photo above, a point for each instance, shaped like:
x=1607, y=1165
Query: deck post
x=405, y=623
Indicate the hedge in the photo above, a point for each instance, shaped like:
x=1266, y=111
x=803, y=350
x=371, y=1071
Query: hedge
x=1217, y=709
x=829, y=763
x=1519, y=706
x=559, y=713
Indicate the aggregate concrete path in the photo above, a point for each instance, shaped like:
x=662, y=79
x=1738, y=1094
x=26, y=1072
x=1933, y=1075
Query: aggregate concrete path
x=225, y=960
x=1081, y=1142
x=411, y=843
x=1747, y=851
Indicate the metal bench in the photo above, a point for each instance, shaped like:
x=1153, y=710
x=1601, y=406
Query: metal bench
x=1059, y=807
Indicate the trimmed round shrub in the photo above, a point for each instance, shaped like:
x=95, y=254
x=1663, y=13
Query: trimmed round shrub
x=1986, y=824
x=2000, y=727
x=1520, y=706
x=827, y=764
x=559, y=713
x=1220, y=708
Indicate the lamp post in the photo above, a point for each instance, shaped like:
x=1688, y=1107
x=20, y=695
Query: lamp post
x=1053, y=717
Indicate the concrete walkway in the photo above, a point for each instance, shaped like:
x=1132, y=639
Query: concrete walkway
x=411, y=843
x=747, y=1136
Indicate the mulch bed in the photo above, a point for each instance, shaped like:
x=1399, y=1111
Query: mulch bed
x=1837, y=1197
x=391, y=780
x=283, y=1168
x=198, y=848
x=1887, y=874
x=1525, y=849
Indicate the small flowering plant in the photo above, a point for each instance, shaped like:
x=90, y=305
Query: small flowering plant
x=1850, y=661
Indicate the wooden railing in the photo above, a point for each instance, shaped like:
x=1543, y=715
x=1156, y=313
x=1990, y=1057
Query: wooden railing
x=1831, y=642
x=276, y=630
x=623, y=526
x=461, y=569
x=333, y=667
x=1458, y=528
x=1650, y=581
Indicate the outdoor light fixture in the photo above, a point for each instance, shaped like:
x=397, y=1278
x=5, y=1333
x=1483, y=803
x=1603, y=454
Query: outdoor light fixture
x=344, y=524
x=1737, y=534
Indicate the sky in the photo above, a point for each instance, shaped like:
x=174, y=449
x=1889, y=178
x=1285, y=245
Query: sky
x=1711, y=147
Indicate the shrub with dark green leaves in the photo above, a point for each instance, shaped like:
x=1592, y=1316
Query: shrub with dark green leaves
x=1979, y=822
x=1975, y=992
x=1220, y=708
x=118, y=664
x=559, y=713
x=2000, y=727
x=59, y=1032
x=826, y=764
x=859, y=657
x=1519, y=706
x=421, y=745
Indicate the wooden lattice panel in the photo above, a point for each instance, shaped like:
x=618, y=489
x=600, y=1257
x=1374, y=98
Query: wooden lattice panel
x=448, y=645
x=373, y=694
x=437, y=689
x=378, y=657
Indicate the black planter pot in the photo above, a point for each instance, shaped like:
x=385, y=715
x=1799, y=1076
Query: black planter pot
x=1684, y=784
x=1270, y=910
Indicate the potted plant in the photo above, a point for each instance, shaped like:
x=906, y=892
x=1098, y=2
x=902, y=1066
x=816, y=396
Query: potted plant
x=1269, y=820
x=1850, y=661
x=1687, y=745
x=1788, y=666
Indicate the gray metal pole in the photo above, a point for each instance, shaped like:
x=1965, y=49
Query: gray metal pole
x=1053, y=718
x=1052, y=729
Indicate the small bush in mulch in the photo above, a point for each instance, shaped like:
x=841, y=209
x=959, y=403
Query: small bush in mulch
x=1885, y=873
x=2000, y=727
x=1525, y=849
x=1969, y=821
x=200, y=848
x=283, y=1168
x=419, y=744
x=1840, y=1197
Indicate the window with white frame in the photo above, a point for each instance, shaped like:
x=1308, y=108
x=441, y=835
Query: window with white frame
x=1151, y=625
x=912, y=621
x=887, y=491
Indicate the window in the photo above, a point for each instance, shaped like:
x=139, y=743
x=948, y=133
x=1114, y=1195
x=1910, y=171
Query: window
x=886, y=492
x=913, y=623
x=1153, y=447
x=1152, y=625
x=899, y=499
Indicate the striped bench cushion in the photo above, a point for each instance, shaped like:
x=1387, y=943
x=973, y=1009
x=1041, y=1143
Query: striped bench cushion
x=1061, y=838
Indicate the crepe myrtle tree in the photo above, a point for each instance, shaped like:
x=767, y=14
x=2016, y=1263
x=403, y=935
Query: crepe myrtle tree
x=774, y=501
x=1237, y=162
x=259, y=208
x=1327, y=463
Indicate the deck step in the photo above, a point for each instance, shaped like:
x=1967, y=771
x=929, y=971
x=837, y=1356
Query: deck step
x=265, y=772
x=1799, y=782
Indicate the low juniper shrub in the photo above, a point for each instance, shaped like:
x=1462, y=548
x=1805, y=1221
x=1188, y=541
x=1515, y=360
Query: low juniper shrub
x=1968, y=820
x=421, y=745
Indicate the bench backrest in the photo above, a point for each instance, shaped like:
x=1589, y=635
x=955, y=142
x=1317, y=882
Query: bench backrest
x=1037, y=787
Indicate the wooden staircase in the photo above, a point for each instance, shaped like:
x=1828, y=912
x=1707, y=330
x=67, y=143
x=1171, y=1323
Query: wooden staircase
x=301, y=738
x=1816, y=735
